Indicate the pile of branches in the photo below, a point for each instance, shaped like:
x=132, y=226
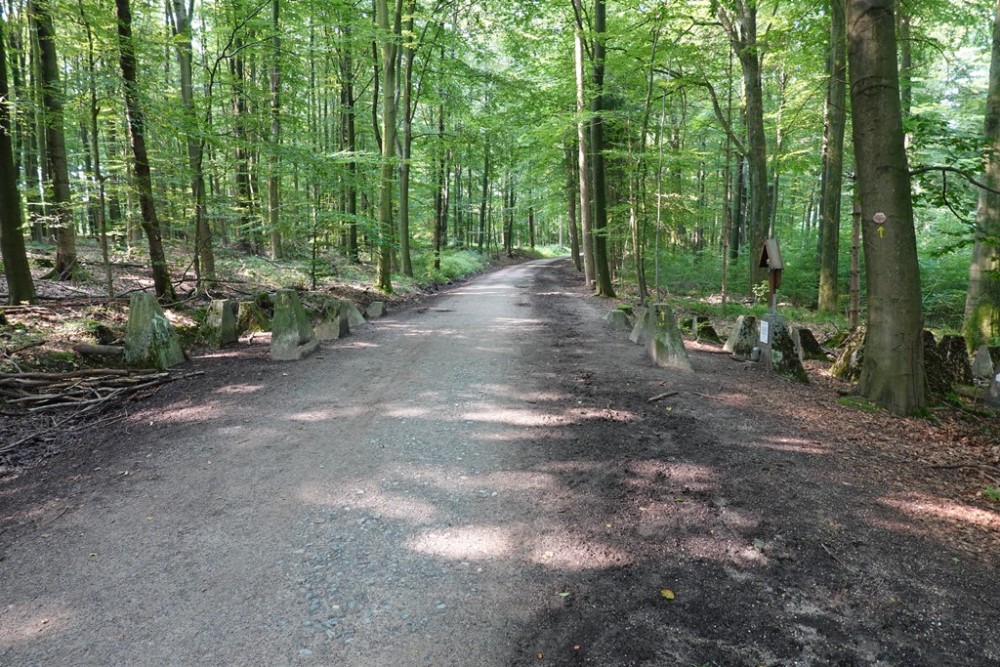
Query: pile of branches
x=79, y=391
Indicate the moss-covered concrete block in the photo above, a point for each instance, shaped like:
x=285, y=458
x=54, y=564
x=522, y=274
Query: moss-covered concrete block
x=618, y=319
x=743, y=338
x=333, y=323
x=220, y=325
x=250, y=318
x=150, y=339
x=292, y=337
x=666, y=345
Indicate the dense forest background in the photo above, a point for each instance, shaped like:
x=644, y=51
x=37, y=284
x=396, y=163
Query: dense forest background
x=660, y=143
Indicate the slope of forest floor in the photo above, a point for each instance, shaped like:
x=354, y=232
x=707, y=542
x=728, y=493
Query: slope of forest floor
x=722, y=517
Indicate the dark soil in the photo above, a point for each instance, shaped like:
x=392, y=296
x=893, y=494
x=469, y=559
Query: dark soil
x=743, y=520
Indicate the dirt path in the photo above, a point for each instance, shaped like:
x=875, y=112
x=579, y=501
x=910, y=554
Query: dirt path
x=482, y=481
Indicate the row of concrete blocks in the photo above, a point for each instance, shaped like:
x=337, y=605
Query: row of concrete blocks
x=151, y=342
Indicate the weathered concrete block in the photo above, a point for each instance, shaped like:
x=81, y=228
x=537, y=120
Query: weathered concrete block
x=150, y=340
x=982, y=365
x=806, y=345
x=618, y=319
x=220, y=324
x=639, y=326
x=354, y=317
x=781, y=355
x=666, y=345
x=333, y=322
x=292, y=337
x=743, y=338
x=955, y=356
x=376, y=309
x=993, y=394
x=704, y=331
x=848, y=365
x=250, y=318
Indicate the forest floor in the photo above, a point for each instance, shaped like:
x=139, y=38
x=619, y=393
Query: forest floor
x=481, y=478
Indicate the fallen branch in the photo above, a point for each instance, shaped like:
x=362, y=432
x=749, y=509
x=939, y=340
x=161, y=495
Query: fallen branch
x=100, y=350
x=660, y=397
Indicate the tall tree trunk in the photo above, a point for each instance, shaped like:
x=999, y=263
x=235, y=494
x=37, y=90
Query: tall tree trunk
x=893, y=371
x=583, y=159
x=349, y=108
x=601, y=265
x=389, y=32
x=137, y=133
x=55, y=141
x=905, y=42
x=571, y=202
x=982, y=302
x=20, y=288
x=742, y=32
x=204, y=253
x=406, y=146
x=485, y=197
x=833, y=161
x=274, y=178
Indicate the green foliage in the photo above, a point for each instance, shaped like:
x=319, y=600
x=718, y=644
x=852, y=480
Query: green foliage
x=454, y=265
x=859, y=403
x=992, y=494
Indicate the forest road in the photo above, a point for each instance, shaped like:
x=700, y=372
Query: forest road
x=478, y=481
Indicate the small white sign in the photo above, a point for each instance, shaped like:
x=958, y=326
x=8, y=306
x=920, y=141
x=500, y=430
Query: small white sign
x=765, y=330
x=879, y=218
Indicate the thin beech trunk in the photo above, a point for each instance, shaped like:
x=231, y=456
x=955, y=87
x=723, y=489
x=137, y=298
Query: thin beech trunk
x=55, y=141
x=571, y=203
x=583, y=144
x=833, y=161
x=274, y=178
x=137, y=133
x=601, y=264
x=982, y=303
x=20, y=287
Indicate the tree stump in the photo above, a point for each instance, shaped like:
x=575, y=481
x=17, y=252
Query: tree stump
x=220, y=325
x=806, y=345
x=938, y=376
x=333, y=322
x=782, y=357
x=618, y=319
x=666, y=345
x=292, y=337
x=852, y=357
x=743, y=338
x=955, y=356
x=150, y=340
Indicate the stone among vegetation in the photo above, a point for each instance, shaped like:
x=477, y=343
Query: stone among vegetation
x=354, y=317
x=250, y=318
x=847, y=367
x=666, y=345
x=955, y=357
x=376, y=309
x=220, y=324
x=743, y=338
x=150, y=339
x=333, y=322
x=703, y=330
x=993, y=394
x=639, y=324
x=783, y=357
x=982, y=364
x=938, y=376
x=292, y=337
x=618, y=319
x=806, y=346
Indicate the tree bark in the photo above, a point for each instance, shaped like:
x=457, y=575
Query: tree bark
x=601, y=265
x=409, y=52
x=833, y=161
x=583, y=143
x=743, y=40
x=204, y=253
x=485, y=196
x=571, y=202
x=274, y=178
x=137, y=133
x=55, y=141
x=982, y=302
x=388, y=35
x=20, y=288
x=893, y=371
